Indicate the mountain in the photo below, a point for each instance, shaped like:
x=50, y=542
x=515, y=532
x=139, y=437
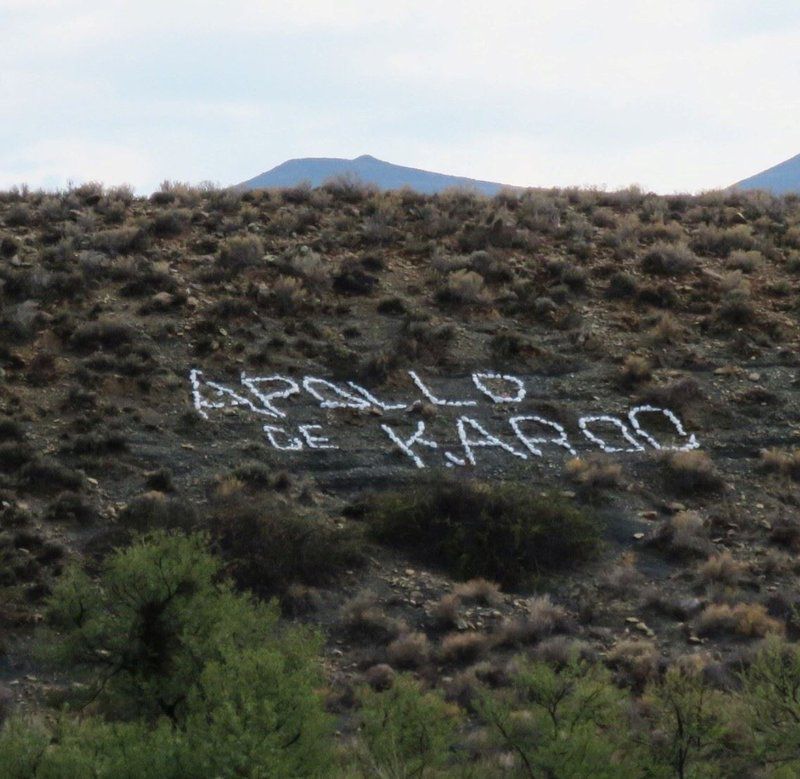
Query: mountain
x=384, y=175
x=779, y=179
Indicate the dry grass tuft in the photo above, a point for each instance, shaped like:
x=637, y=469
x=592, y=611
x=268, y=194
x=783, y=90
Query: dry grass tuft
x=691, y=473
x=750, y=620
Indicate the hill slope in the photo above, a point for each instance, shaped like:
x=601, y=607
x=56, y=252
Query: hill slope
x=384, y=175
x=779, y=179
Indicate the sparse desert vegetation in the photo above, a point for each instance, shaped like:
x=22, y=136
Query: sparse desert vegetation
x=181, y=597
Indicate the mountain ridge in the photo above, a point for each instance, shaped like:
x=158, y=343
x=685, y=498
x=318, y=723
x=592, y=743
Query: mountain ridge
x=780, y=179
x=370, y=170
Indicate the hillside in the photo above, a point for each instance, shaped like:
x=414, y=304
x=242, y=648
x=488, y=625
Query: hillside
x=383, y=175
x=454, y=434
x=780, y=179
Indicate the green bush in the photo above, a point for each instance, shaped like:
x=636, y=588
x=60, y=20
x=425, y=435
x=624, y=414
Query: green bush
x=564, y=722
x=406, y=732
x=506, y=532
x=267, y=547
x=189, y=678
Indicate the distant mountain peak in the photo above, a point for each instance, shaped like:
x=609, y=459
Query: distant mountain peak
x=780, y=179
x=371, y=170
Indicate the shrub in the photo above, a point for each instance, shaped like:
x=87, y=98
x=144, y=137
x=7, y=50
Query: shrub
x=240, y=252
x=745, y=261
x=634, y=371
x=47, y=475
x=687, y=725
x=691, y=473
x=70, y=507
x=156, y=511
x=563, y=722
x=405, y=731
x=634, y=661
x=770, y=702
x=120, y=240
x=480, y=591
x=363, y=616
x=621, y=285
x=543, y=618
x=463, y=647
x=744, y=619
x=105, y=333
x=506, y=532
x=463, y=286
x=720, y=242
x=171, y=223
x=207, y=681
x=723, y=568
x=409, y=650
x=267, y=547
x=682, y=535
x=668, y=259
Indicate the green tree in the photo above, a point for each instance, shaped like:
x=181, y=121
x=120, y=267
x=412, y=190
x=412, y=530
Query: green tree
x=194, y=679
x=563, y=723
x=406, y=732
x=770, y=701
x=688, y=724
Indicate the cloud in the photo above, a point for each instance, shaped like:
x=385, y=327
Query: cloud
x=679, y=95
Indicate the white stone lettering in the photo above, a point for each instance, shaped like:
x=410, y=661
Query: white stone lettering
x=228, y=396
x=405, y=446
x=349, y=400
x=433, y=399
x=293, y=444
x=252, y=383
x=480, y=378
x=375, y=402
x=561, y=440
x=583, y=423
x=315, y=442
x=633, y=416
x=487, y=440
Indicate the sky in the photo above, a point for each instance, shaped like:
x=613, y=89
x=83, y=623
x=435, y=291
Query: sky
x=675, y=96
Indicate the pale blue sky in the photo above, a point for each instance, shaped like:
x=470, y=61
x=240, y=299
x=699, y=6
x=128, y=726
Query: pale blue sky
x=675, y=96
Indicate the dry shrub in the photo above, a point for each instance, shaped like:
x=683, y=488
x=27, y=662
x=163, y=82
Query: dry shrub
x=635, y=370
x=635, y=661
x=623, y=579
x=745, y=261
x=446, y=610
x=560, y=650
x=669, y=259
x=154, y=510
x=466, y=647
x=410, y=650
x=464, y=286
x=785, y=463
x=722, y=568
x=682, y=535
x=691, y=473
x=288, y=294
x=666, y=331
x=380, y=677
x=676, y=395
x=480, y=591
x=594, y=473
x=311, y=267
x=744, y=619
x=240, y=252
x=543, y=619
x=362, y=616
x=786, y=531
